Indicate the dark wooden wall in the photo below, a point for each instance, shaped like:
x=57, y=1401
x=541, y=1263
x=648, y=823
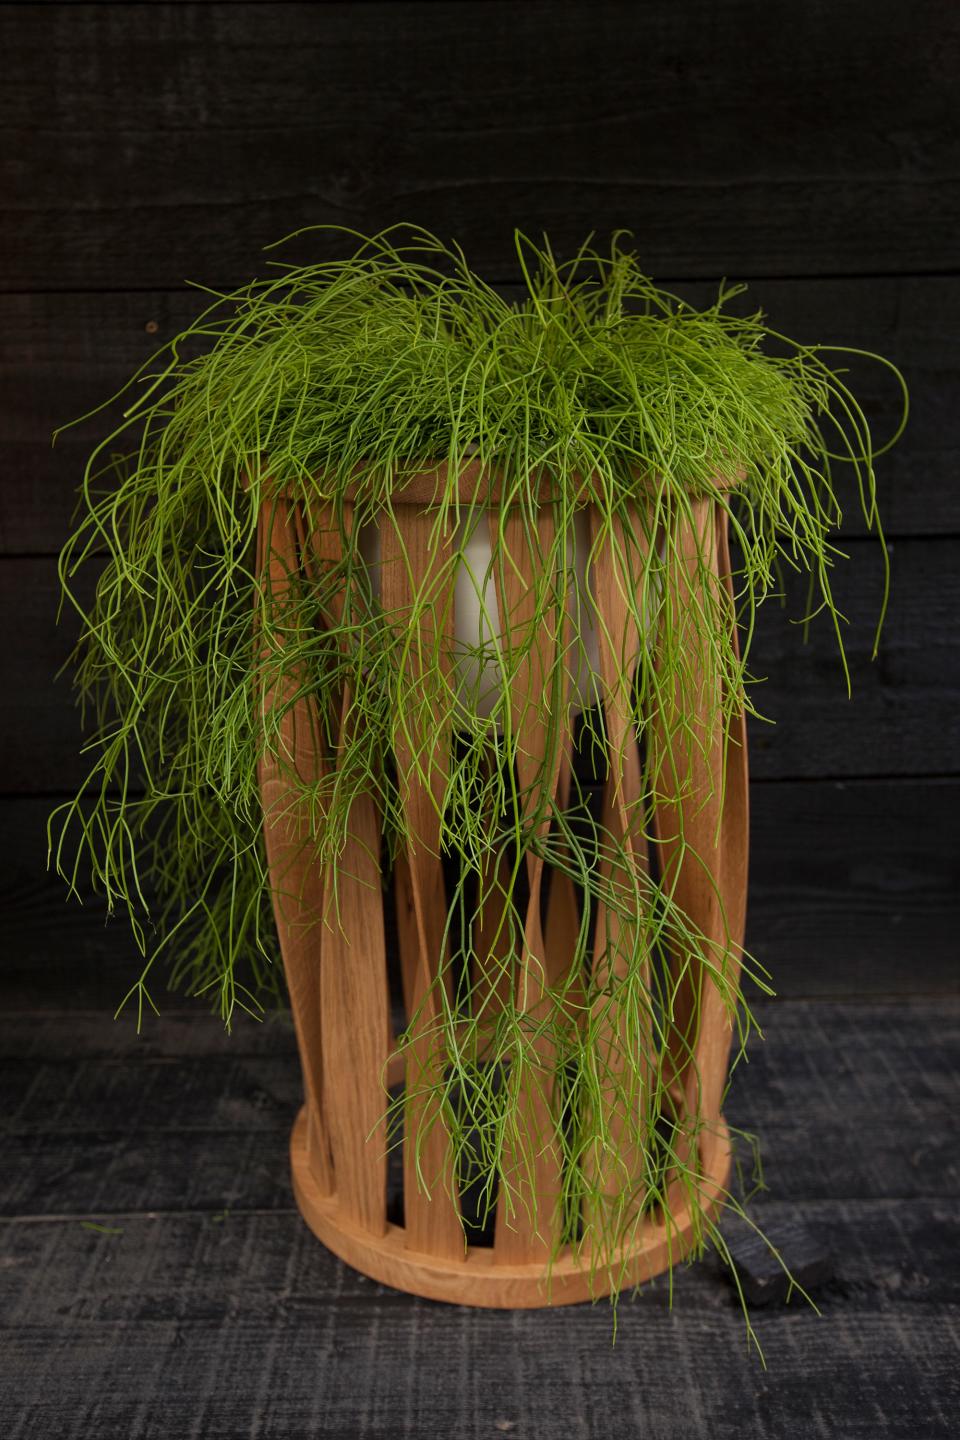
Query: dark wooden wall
x=812, y=150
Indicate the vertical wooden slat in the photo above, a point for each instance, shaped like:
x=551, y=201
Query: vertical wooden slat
x=295, y=878
x=716, y=1029
x=700, y=816
x=537, y=1187
x=321, y=533
x=416, y=570
x=354, y=998
x=354, y=992
x=627, y=1058
x=735, y=846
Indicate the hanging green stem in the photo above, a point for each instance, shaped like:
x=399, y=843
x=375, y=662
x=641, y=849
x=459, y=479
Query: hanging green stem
x=596, y=390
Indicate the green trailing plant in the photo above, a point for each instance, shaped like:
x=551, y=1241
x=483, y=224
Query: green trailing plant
x=352, y=376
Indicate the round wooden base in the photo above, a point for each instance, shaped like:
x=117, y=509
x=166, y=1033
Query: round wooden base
x=479, y=1279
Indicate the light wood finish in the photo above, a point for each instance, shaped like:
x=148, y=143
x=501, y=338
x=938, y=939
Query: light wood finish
x=287, y=831
x=320, y=544
x=700, y=817
x=616, y=579
x=716, y=1026
x=408, y=935
x=416, y=562
x=485, y=1277
x=336, y=967
x=532, y=1180
x=354, y=991
x=480, y=485
x=354, y=1001
x=735, y=841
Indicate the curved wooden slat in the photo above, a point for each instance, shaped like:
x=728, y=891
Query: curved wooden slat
x=354, y=993
x=354, y=997
x=294, y=758
x=736, y=798
x=408, y=935
x=416, y=570
x=535, y=1187
x=716, y=1030
x=700, y=819
x=625, y=1056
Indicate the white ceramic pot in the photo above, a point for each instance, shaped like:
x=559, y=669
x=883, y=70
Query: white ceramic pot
x=477, y=614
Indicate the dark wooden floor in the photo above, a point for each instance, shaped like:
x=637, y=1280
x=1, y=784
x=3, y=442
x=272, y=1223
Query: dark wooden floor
x=203, y=1306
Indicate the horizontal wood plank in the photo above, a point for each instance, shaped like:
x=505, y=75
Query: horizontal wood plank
x=904, y=714
x=153, y=143
x=847, y=878
x=247, y=1326
x=917, y=1239
x=156, y=1274
x=67, y=353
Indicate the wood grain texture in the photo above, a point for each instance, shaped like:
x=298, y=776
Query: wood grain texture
x=562, y=922
x=205, y=1341
x=734, y=841
x=293, y=758
x=491, y=1277
x=699, y=819
x=354, y=990
x=354, y=1008
x=714, y=1041
x=178, y=141
x=528, y=1207
x=130, y=1131
x=416, y=569
x=854, y=884
x=214, y=1307
x=621, y=946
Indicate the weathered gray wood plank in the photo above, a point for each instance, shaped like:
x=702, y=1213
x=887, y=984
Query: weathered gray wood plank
x=203, y=1305
x=183, y=1326
x=156, y=142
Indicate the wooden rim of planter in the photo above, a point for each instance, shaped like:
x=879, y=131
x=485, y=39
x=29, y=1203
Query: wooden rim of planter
x=479, y=485
x=481, y=1278
x=482, y=485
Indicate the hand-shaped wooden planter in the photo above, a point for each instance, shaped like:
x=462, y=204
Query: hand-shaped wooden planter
x=335, y=952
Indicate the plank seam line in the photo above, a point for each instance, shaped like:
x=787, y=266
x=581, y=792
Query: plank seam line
x=754, y=279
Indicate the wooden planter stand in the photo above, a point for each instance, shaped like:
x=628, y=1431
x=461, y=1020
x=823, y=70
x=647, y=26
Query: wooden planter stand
x=337, y=973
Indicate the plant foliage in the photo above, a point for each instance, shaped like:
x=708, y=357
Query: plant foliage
x=346, y=378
